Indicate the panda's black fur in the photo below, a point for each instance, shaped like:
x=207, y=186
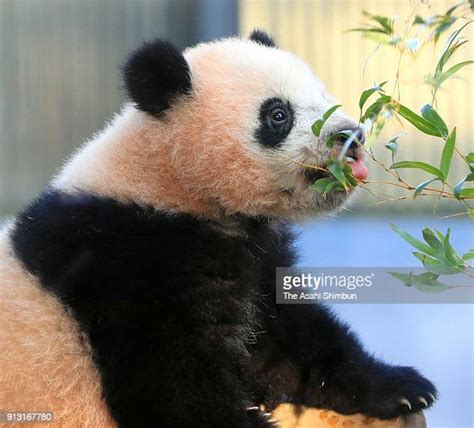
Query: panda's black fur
x=180, y=311
x=155, y=74
x=182, y=320
x=263, y=38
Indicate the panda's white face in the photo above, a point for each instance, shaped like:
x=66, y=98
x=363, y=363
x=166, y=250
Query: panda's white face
x=223, y=129
x=266, y=99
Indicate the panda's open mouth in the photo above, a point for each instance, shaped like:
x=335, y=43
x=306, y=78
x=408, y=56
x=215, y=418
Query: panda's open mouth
x=354, y=157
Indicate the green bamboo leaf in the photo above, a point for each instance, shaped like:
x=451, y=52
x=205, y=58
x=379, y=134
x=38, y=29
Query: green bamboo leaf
x=431, y=239
x=428, y=275
x=406, y=278
x=439, y=234
x=469, y=255
x=444, y=25
x=431, y=279
x=470, y=157
x=329, y=112
x=435, y=266
x=424, y=258
x=335, y=185
x=451, y=71
x=467, y=193
x=422, y=186
x=337, y=172
x=442, y=269
x=446, y=55
x=347, y=170
x=375, y=108
x=419, y=20
x=419, y=165
x=368, y=92
x=321, y=184
x=414, y=242
x=451, y=256
x=318, y=124
x=377, y=35
x=426, y=282
x=417, y=121
x=452, y=46
x=367, y=30
x=385, y=22
x=427, y=285
x=351, y=180
x=432, y=116
x=447, y=155
x=453, y=8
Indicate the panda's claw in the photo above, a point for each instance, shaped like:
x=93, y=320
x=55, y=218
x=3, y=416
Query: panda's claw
x=263, y=419
x=432, y=396
x=405, y=402
x=423, y=401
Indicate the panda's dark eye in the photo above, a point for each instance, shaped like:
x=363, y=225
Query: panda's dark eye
x=278, y=116
x=276, y=119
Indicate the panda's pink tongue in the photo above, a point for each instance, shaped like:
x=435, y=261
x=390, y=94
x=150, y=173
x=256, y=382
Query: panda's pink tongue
x=359, y=170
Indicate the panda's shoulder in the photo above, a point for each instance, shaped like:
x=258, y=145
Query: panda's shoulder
x=86, y=232
x=56, y=225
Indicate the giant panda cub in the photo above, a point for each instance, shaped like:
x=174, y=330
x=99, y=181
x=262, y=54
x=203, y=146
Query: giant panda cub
x=139, y=289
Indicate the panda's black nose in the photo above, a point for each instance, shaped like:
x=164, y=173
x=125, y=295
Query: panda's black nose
x=342, y=136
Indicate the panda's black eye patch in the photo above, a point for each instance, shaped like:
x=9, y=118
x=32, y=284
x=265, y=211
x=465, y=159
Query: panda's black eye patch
x=276, y=119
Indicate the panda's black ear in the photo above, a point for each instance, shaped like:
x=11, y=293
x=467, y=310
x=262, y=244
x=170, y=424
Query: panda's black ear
x=155, y=74
x=263, y=38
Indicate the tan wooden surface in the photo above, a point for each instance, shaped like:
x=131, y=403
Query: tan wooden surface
x=290, y=416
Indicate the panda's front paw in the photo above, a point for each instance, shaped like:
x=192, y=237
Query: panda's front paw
x=396, y=391
x=258, y=418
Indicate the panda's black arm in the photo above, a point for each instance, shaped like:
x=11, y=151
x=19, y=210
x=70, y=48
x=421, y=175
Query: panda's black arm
x=313, y=359
x=308, y=356
x=311, y=353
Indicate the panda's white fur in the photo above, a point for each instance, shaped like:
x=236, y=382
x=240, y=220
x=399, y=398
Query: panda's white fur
x=45, y=362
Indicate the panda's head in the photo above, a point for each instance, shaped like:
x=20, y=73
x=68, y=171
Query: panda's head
x=228, y=128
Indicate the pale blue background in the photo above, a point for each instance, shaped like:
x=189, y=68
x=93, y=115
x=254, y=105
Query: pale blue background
x=436, y=339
